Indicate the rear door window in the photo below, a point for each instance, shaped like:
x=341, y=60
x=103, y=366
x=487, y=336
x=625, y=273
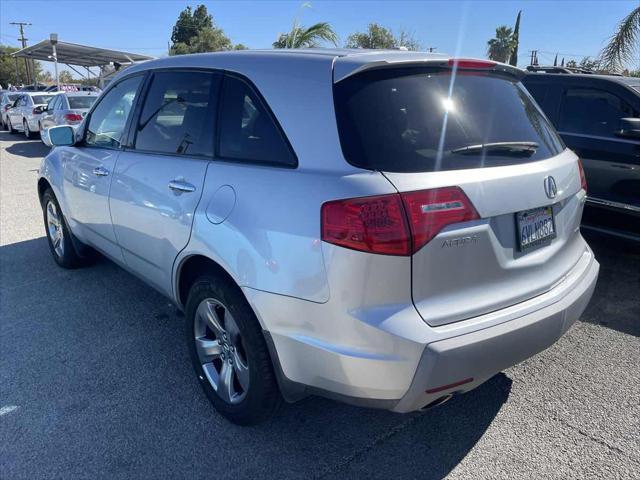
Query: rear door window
x=248, y=131
x=591, y=111
x=424, y=119
x=81, y=102
x=179, y=113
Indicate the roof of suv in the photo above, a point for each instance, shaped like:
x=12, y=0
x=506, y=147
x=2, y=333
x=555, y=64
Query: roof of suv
x=628, y=81
x=345, y=62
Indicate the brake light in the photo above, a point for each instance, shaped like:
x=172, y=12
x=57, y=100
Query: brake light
x=470, y=63
x=369, y=224
x=429, y=211
x=36, y=111
x=73, y=117
x=395, y=224
x=7, y=107
x=583, y=178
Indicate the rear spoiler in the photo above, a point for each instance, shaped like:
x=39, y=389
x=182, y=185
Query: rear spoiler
x=345, y=69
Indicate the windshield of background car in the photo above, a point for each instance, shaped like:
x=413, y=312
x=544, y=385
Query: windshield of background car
x=418, y=119
x=84, y=102
x=38, y=99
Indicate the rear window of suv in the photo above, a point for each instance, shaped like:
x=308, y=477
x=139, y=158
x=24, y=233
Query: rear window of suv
x=425, y=119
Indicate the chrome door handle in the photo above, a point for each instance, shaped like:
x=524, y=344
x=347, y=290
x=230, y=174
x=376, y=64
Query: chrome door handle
x=179, y=186
x=100, y=171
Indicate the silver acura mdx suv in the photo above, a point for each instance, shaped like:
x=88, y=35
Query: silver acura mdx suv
x=386, y=228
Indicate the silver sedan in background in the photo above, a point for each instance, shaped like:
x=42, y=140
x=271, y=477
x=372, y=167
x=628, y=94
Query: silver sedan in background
x=7, y=99
x=67, y=108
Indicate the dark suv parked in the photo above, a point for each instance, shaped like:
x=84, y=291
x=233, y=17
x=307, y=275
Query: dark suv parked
x=598, y=117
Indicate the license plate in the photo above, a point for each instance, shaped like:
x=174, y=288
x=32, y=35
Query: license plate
x=535, y=227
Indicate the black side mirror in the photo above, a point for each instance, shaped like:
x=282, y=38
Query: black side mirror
x=39, y=109
x=629, y=128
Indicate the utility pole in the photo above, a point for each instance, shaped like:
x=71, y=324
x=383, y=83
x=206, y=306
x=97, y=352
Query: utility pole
x=534, y=55
x=23, y=40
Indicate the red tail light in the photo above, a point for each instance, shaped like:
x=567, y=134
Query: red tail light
x=370, y=224
x=470, y=63
x=430, y=211
x=73, y=117
x=7, y=107
x=583, y=178
x=395, y=224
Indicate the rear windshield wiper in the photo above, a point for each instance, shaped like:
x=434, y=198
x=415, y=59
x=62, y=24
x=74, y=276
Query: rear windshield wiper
x=507, y=147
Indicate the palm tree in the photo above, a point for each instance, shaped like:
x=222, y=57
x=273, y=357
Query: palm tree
x=623, y=44
x=500, y=47
x=301, y=37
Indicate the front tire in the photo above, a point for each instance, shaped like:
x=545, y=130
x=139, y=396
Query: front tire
x=229, y=352
x=25, y=129
x=59, y=236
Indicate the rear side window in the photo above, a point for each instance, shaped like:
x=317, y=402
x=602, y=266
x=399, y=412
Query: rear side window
x=81, y=102
x=591, y=111
x=248, y=131
x=424, y=119
x=179, y=113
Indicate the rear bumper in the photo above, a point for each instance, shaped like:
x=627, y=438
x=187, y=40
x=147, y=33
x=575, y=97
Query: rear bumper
x=482, y=354
x=388, y=357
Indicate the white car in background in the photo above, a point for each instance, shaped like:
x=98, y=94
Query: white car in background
x=67, y=108
x=7, y=100
x=25, y=114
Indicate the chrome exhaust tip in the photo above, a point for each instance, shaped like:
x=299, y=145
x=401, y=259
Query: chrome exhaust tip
x=438, y=401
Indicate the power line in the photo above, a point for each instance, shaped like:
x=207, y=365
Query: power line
x=23, y=40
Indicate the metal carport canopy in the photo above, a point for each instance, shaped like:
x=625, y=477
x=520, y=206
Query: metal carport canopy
x=81, y=55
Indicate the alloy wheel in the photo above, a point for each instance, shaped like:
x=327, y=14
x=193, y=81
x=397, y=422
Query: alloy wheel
x=221, y=351
x=54, y=228
x=26, y=129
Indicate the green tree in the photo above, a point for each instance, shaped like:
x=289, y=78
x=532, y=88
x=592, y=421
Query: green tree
x=65, y=77
x=378, y=36
x=589, y=64
x=301, y=37
x=513, y=59
x=623, y=45
x=8, y=67
x=45, y=77
x=408, y=41
x=499, y=48
x=195, y=32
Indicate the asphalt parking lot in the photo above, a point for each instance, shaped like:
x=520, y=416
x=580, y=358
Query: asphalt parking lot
x=95, y=382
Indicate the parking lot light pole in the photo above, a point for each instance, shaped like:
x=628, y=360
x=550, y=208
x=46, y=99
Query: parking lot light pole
x=54, y=39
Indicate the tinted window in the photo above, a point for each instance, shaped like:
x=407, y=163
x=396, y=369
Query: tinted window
x=405, y=120
x=592, y=112
x=81, y=102
x=109, y=118
x=537, y=91
x=247, y=129
x=178, y=114
x=39, y=99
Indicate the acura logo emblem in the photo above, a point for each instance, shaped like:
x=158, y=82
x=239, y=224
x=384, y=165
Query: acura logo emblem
x=550, y=187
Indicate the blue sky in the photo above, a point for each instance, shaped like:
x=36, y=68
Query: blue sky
x=572, y=28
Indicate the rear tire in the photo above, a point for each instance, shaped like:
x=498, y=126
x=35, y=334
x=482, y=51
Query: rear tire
x=60, y=239
x=10, y=126
x=246, y=398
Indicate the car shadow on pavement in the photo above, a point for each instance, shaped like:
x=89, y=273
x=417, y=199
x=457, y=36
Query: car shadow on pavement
x=615, y=302
x=21, y=146
x=118, y=395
